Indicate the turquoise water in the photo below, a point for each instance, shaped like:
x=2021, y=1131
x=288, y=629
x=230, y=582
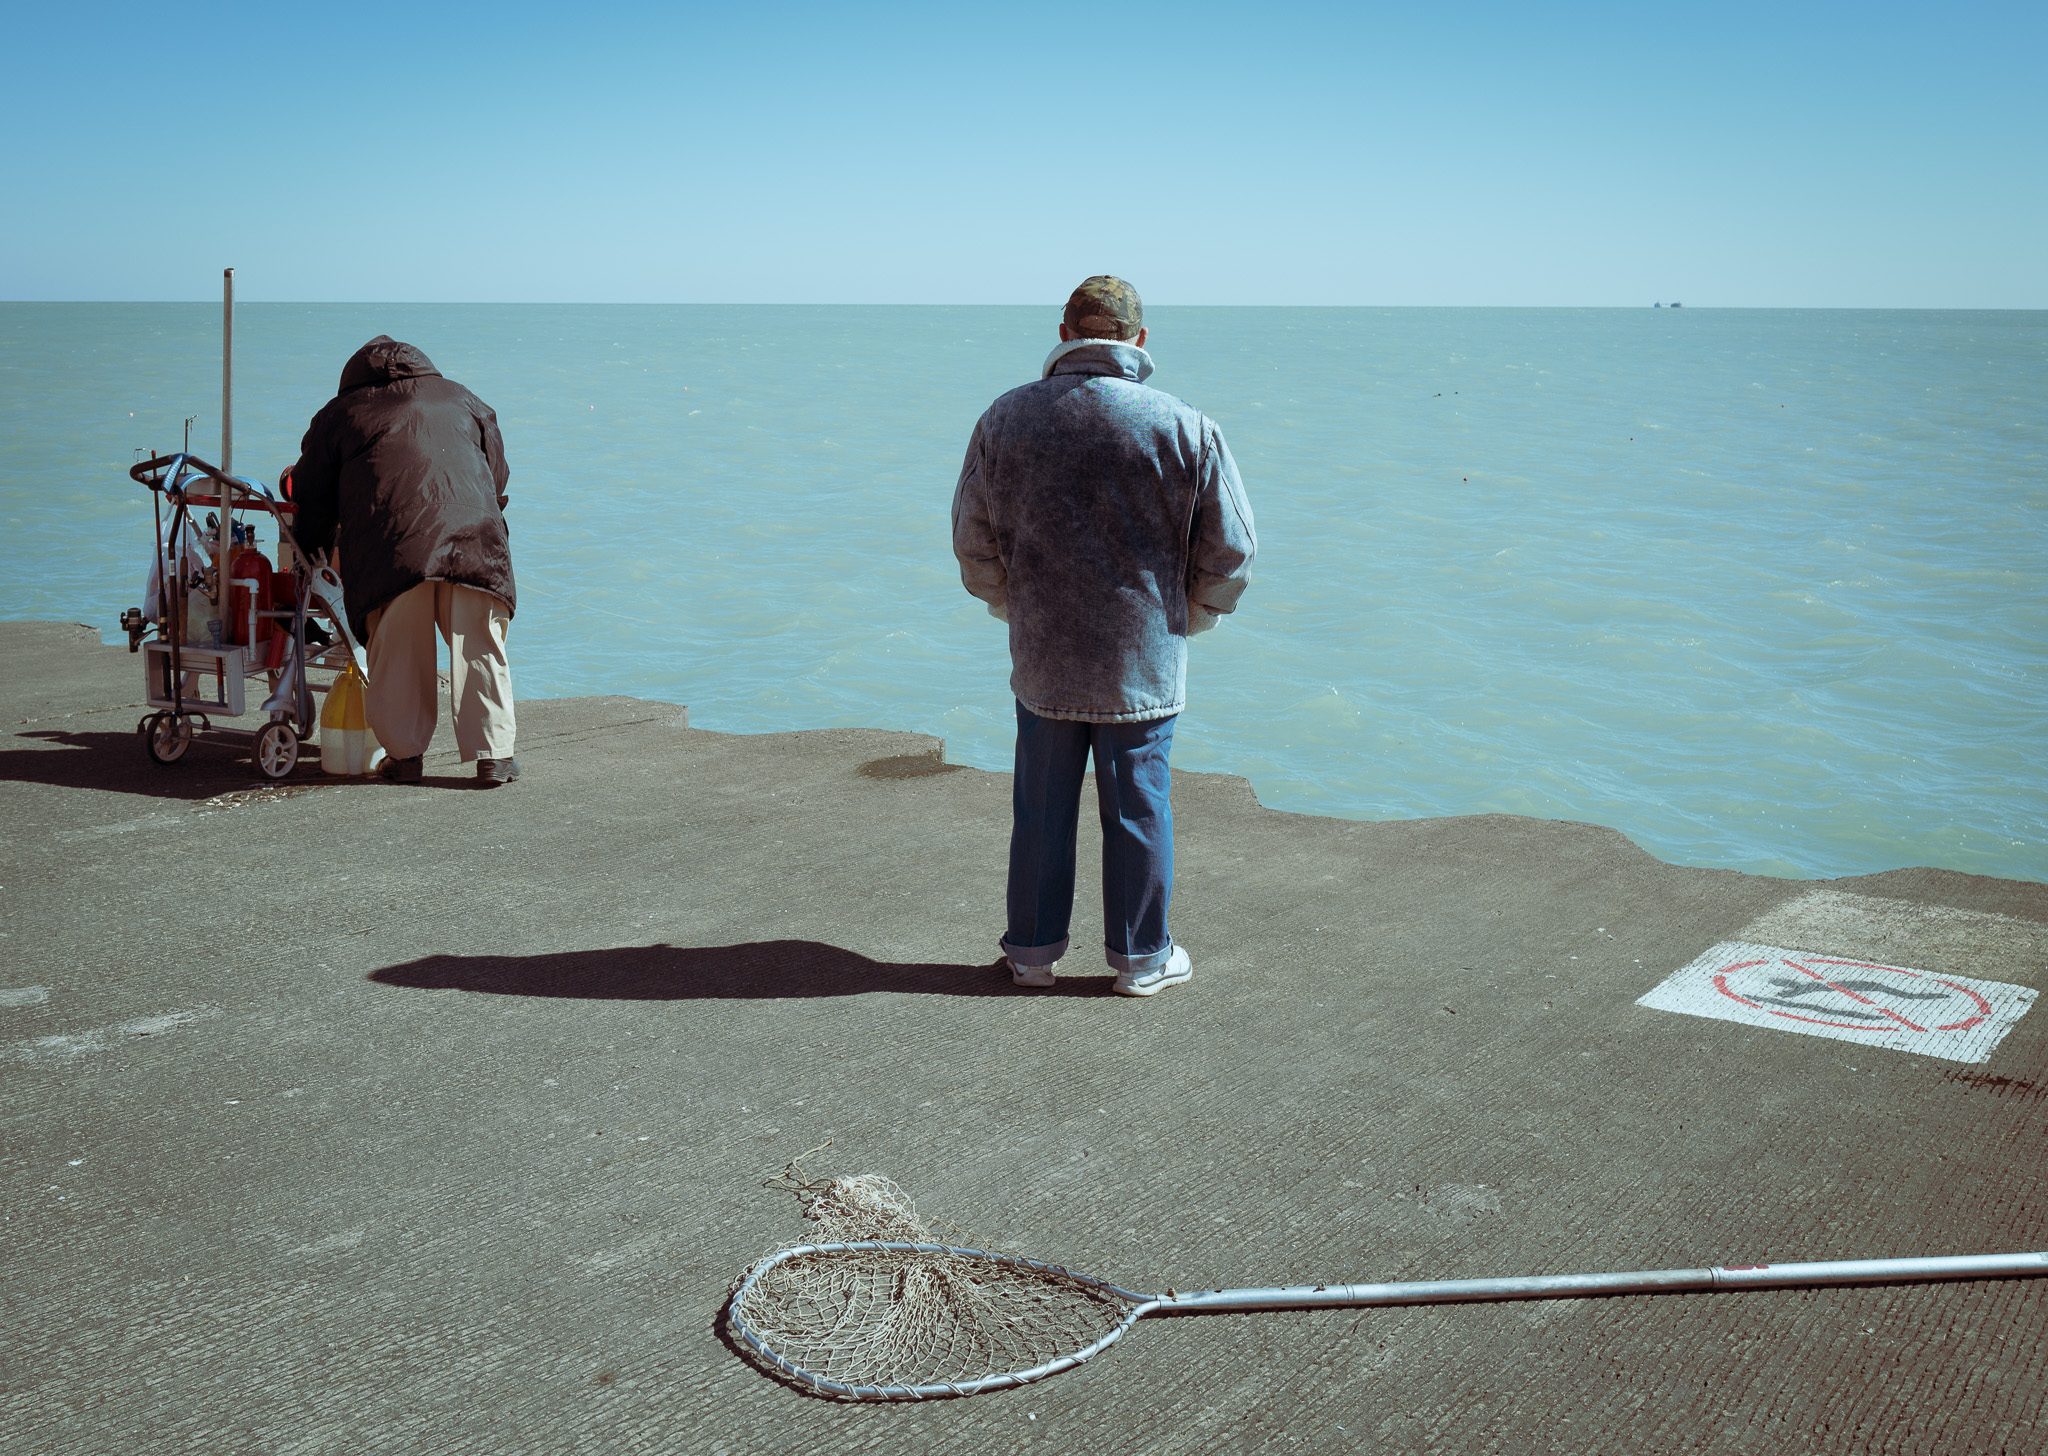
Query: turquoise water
x=1761, y=589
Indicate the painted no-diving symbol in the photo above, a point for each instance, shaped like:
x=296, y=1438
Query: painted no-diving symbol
x=1956, y=1018
x=1854, y=995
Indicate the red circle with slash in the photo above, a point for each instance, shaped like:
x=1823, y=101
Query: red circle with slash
x=1825, y=972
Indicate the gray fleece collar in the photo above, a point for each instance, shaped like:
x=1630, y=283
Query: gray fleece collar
x=1128, y=360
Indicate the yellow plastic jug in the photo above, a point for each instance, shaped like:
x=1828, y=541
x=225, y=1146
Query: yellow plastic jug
x=347, y=746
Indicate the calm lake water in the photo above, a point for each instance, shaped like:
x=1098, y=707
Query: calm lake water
x=1761, y=589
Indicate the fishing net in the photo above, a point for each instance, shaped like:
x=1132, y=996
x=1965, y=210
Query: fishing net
x=922, y=1319
x=881, y=1311
x=876, y=1308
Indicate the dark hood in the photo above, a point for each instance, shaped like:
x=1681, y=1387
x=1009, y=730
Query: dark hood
x=382, y=360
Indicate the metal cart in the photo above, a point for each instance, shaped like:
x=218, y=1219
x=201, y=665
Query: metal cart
x=190, y=683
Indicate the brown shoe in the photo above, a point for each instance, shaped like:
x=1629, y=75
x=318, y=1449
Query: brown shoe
x=404, y=770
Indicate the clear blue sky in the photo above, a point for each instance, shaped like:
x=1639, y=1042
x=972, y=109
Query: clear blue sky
x=1776, y=154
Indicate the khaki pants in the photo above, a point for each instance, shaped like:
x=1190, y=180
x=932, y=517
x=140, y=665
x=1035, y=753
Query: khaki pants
x=404, y=699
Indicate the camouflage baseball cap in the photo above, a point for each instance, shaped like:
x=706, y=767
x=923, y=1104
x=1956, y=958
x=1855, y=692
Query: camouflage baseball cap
x=1105, y=308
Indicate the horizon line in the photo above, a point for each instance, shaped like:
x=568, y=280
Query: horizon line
x=1054, y=304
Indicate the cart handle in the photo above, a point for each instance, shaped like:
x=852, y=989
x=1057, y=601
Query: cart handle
x=139, y=473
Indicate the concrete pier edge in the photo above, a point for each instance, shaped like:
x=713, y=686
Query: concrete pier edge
x=344, y=1116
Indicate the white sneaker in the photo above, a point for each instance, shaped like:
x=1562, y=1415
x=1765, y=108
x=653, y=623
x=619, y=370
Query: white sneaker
x=1038, y=977
x=1178, y=968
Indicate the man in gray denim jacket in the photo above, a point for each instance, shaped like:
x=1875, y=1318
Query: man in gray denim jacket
x=1103, y=520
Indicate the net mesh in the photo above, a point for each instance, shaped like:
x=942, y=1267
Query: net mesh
x=908, y=1317
x=884, y=1317
x=864, y=1206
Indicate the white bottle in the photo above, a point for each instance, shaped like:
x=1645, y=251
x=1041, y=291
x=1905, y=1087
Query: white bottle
x=347, y=744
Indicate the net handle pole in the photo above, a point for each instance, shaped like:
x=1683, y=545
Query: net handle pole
x=1577, y=1286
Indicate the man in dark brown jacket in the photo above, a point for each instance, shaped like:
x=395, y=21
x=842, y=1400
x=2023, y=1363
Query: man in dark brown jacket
x=404, y=474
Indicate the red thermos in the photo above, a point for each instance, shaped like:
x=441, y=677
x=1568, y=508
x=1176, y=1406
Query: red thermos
x=249, y=564
x=284, y=596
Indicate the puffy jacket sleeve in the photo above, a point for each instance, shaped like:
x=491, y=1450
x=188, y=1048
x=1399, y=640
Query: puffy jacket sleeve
x=316, y=487
x=1223, y=540
x=493, y=444
x=974, y=534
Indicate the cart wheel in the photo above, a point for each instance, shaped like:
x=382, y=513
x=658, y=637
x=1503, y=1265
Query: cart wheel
x=277, y=750
x=169, y=735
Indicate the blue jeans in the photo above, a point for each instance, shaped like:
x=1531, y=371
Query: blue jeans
x=1133, y=790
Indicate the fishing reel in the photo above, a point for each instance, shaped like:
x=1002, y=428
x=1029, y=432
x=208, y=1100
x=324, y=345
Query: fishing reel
x=134, y=624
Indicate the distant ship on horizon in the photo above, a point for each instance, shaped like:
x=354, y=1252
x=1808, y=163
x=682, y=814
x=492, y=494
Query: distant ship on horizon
x=1673, y=304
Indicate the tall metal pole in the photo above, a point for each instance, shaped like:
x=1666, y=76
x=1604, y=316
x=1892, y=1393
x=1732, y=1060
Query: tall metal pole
x=227, y=371
x=224, y=547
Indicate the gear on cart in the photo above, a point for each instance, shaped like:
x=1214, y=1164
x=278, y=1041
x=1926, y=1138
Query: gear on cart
x=218, y=612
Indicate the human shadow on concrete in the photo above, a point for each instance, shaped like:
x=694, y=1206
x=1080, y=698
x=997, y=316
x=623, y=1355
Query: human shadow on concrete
x=758, y=971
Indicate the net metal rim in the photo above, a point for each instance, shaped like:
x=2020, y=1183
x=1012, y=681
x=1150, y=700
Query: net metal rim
x=1141, y=1305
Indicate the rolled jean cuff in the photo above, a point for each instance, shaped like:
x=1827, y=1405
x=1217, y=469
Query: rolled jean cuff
x=1137, y=964
x=1034, y=955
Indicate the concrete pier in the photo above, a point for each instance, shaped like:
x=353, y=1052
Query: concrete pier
x=347, y=1117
